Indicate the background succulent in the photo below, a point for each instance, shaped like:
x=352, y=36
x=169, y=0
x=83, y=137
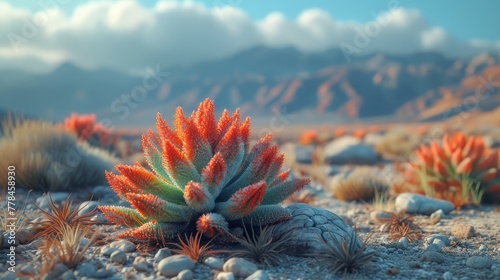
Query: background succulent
x=445, y=168
x=202, y=172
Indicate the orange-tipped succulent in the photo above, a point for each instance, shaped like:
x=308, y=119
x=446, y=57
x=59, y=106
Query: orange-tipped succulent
x=204, y=174
x=309, y=137
x=448, y=165
x=86, y=128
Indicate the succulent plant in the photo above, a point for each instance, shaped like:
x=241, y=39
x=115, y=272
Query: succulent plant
x=86, y=128
x=202, y=172
x=445, y=168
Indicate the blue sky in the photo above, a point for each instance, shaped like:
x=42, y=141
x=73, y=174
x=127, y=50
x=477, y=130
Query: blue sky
x=462, y=19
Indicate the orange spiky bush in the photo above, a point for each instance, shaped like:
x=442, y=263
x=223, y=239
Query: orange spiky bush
x=359, y=133
x=309, y=137
x=339, y=132
x=204, y=174
x=86, y=129
x=444, y=169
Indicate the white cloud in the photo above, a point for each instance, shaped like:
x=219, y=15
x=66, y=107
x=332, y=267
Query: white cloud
x=125, y=35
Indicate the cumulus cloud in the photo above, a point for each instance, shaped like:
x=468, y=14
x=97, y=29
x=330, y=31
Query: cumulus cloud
x=126, y=36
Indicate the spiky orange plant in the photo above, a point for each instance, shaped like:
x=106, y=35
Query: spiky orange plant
x=203, y=172
x=359, y=133
x=309, y=137
x=87, y=129
x=444, y=168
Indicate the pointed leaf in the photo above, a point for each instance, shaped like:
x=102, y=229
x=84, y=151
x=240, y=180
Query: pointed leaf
x=153, y=155
x=153, y=230
x=147, y=182
x=123, y=216
x=178, y=167
x=268, y=214
x=281, y=192
x=214, y=173
x=212, y=224
x=158, y=209
x=465, y=167
x=243, y=202
x=198, y=198
x=166, y=133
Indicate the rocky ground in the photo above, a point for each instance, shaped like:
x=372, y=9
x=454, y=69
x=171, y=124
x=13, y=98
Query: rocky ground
x=455, y=245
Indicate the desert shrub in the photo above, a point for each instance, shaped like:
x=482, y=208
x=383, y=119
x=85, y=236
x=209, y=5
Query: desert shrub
x=88, y=129
x=459, y=169
x=47, y=157
x=397, y=144
x=361, y=184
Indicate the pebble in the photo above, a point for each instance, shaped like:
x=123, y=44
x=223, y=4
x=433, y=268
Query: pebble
x=463, y=231
x=448, y=276
x=437, y=216
x=118, y=257
x=162, y=253
x=140, y=264
x=214, y=263
x=439, y=242
x=87, y=207
x=376, y=216
x=385, y=228
x=58, y=270
x=107, y=251
x=171, y=266
x=431, y=256
x=483, y=248
x=258, y=275
x=225, y=276
x=419, y=204
x=403, y=242
x=433, y=248
x=478, y=262
x=99, y=218
x=123, y=245
x=86, y=269
x=186, y=274
x=28, y=269
x=433, y=237
x=239, y=267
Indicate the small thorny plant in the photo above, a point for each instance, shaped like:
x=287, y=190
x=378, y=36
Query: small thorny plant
x=262, y=247
x=402, y=225
x=192, y=247
x=345, y=255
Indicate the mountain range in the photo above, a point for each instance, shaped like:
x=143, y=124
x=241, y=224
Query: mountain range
x=418, y=87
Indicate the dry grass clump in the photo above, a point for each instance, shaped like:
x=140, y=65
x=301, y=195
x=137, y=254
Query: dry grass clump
x=402, y=225
x=71, y=246
x=383, y=202
x=47, y=157
x=54, y=223
x=362, y=184
x=193, y=249
x=345, y=255
x=262, y=247
x=397, y=144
